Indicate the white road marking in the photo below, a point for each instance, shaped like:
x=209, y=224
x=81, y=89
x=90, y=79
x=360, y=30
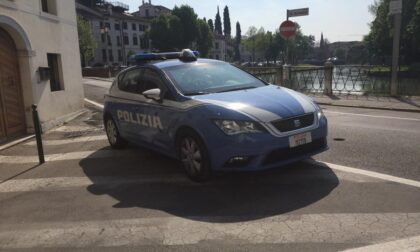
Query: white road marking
x=368, y=173
x=99, y=105
x=70, y=141
x=71, y=129
x=373, y=116
x=411, y=244
x=66, y=183
x=368, y=228
x=66, y=156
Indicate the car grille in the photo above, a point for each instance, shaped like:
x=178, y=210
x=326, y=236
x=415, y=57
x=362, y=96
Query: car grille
x=284, y=154
x=294, y=123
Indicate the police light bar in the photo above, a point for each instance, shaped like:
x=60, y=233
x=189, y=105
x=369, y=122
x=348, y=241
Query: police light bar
x=185, y=55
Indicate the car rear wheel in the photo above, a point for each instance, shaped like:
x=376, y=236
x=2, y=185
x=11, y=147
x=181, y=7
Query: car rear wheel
x=114, y=137
x=194, y=157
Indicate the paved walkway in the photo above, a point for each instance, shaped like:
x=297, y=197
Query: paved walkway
x=410, y=104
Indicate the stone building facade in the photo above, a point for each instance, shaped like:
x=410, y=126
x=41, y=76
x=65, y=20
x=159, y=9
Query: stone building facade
x=39, y=64
x=118, y=34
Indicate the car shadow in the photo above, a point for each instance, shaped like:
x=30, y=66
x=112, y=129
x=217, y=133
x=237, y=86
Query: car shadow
x=144, y=179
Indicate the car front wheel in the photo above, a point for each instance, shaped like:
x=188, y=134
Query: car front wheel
x=114, y=137
x=194, y=157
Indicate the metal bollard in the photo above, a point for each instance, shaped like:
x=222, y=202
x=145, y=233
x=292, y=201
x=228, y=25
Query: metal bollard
x=38, y=134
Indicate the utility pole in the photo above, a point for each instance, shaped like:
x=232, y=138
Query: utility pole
x=395, y=9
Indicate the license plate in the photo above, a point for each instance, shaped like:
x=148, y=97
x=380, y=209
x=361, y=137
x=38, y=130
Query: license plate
x=300, y=139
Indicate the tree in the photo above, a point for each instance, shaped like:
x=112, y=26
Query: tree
x=188, y=19
x=379, y=39
x=211, y=25
x=218, y=23
x=175, y=33
x=87, y=42
x=238, y=40
x=226, y=22
x=205, y=38
x=250, y=44
x=159, y=33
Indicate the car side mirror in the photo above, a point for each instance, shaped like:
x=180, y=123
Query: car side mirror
x=153, y=94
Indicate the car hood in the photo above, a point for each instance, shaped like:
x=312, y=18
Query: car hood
x=265, y=104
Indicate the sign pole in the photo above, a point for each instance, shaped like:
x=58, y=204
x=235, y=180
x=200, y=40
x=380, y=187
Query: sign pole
x=395, y=53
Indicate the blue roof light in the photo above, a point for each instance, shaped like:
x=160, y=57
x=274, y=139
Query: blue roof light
x=186, y=55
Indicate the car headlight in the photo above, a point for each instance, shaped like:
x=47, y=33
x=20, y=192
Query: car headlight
x=319, y=112
x=238, y=127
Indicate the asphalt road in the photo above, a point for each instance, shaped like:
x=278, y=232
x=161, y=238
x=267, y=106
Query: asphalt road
x=90, y=197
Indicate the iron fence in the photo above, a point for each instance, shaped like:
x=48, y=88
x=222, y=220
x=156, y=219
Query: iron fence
x=268, y=74
x=361, y=79
x=342, y=79
x=307, y=79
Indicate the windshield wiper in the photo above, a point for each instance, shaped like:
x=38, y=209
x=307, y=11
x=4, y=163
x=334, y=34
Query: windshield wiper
x=196, y=93
x=236, y=89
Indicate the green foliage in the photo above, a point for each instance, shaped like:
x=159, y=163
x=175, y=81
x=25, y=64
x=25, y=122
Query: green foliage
x=238, y=40
x=159, y=33
x=180, y=30
x=226, y=22
x=188, y=19
x=211, y=25
x=205, y=38
x=87, y=42
x=379, y=39
x=218, y=23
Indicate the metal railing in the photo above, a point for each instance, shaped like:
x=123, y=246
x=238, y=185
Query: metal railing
x=268, y=74
x=341, y=79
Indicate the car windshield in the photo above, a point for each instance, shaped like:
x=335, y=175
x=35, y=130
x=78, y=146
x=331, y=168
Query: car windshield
x=210, y=77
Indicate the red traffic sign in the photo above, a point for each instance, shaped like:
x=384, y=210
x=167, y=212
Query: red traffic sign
x=287, y=29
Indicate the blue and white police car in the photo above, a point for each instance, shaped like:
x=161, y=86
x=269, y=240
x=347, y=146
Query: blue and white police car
x=211, y=115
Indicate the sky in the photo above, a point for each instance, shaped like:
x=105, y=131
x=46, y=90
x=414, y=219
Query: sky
x=338, y=20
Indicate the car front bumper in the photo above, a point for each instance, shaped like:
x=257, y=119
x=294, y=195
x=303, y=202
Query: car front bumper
x=253, y=152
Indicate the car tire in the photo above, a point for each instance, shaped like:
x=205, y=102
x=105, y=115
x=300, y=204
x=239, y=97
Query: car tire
x=113, y=135
x=194, y=157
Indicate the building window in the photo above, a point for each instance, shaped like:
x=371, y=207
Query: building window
x=124, y=24
x=49, y=6
x=104, y=57
x=126, y=42
x=217, y=45
x=109, y=40
x=144, y=43
x=108, y=25
x=135, y=40
x=120, y=57
x=117, y=27
x=147, y=12
x=56, y=80
x=134, y=26
x=103, y=38
x=118, y=41
x=111, y=56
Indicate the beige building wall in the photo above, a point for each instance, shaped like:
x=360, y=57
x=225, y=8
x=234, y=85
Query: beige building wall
x=37, y=33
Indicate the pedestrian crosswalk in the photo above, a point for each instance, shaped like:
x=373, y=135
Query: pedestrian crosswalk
x=89, y=196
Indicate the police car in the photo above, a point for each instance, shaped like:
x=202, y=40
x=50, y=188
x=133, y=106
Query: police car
x=211, y=115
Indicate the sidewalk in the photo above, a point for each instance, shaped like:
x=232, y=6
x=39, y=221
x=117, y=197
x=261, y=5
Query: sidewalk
x=408, y=104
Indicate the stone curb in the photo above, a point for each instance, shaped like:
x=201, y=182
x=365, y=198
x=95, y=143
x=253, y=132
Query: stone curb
x=369, y=107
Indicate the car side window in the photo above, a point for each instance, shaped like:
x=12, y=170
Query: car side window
x=131, y=82
x=151, y=80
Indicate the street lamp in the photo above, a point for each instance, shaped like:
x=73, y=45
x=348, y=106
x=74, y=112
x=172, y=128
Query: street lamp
x=105, y=31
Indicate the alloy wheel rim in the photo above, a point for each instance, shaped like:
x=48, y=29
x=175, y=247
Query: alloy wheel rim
x=111, y=132
x=191, y=155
